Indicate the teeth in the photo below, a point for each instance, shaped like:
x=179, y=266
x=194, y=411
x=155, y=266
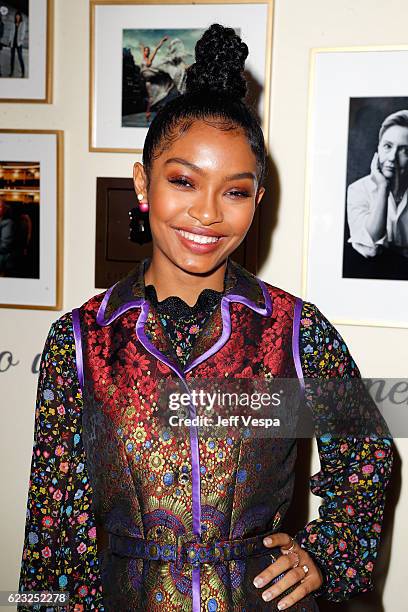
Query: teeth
x=197, y=238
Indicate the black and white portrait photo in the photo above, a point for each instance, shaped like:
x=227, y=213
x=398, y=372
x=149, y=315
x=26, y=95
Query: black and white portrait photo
x=14, y=39
x=376, y=225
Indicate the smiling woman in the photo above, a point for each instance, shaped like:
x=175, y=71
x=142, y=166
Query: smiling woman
x=201, y=208
x=125, y=514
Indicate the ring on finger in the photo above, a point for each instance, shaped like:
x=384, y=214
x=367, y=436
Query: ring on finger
x=297, y=560
x=287, y=551
x=305, y=569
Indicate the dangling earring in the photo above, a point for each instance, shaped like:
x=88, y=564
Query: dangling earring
x=139, y=230
x=143, y=205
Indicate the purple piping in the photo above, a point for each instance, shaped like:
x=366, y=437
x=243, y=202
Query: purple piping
x=226, y=321
x=196, y=589
x=195, y=460
x=100, y=316
x=295, y=341
x=78, y=346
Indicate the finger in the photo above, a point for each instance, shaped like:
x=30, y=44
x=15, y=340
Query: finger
x=299, y=593
x=278, y=539
x=291, y=577
x=282, y=564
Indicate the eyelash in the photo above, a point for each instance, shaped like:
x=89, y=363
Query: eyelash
x=184, y=183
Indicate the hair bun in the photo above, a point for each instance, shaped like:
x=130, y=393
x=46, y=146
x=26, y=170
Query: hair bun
x=220, y=61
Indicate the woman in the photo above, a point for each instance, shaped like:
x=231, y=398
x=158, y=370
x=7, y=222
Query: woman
x=122, y=513
x=149, y=73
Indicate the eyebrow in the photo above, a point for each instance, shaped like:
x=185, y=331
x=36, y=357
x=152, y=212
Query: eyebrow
x=400, y=146
x=184, y=162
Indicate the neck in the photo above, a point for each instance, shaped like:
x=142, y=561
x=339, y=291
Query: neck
x=168, y=279
x=399, y=186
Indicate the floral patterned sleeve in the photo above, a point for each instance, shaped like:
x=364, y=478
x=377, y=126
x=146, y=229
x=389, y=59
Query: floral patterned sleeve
x=354, y=473
x=59, y=552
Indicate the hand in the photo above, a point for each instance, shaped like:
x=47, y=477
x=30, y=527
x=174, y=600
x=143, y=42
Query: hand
x=376, y=174
x=163, y=40
x=306, y=581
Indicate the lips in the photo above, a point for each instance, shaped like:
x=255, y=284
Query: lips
x=199, y=243
x=202, y=231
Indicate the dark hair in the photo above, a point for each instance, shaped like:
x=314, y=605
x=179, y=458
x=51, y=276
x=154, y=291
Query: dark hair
x=215, y=93
x=18, y=13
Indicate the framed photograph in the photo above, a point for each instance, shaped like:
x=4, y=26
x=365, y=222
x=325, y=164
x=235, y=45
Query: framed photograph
x=123, y=239
x=355, y=264
x=26, y=50
x=140, y=52
x=31, y=219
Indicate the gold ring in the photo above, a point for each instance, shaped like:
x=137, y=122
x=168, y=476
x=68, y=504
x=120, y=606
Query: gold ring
x=286, y=551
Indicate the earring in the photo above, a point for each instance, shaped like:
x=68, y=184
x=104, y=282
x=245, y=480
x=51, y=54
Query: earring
x=143, y=205
x=139, y=228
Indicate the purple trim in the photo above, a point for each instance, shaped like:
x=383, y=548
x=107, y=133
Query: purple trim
x=149, y=346
x=226, y=332
x=100, y=316
x=76, y=326
x=196, y=589
x=263, y=310
x=195, y=458
x=295, y=341
x=226, y=321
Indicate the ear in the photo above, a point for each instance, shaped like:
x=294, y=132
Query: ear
x=259, y=196
x=139, y=179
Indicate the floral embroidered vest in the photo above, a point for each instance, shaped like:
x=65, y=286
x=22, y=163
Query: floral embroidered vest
x=149, y=484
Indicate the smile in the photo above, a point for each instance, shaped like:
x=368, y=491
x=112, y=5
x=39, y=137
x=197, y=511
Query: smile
x=198, y=238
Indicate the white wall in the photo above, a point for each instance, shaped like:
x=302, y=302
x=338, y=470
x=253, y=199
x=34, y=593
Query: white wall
x=299, y=25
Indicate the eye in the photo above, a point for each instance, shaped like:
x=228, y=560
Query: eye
x=180, y=180
x=235, y=193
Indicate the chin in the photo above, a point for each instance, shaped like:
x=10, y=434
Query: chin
x=388, y=174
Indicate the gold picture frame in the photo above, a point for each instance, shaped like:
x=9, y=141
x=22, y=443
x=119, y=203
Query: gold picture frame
x=47, y=96
x=50, y=152
x=314, y=103
x=94, y=145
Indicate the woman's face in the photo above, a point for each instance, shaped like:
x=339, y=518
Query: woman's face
x=17, y=18
x=393, y=152
x=202, y=196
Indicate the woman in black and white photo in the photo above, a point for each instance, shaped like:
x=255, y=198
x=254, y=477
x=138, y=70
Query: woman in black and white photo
x=377, y=208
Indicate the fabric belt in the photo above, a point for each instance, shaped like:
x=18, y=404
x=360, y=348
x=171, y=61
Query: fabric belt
x=190, y=549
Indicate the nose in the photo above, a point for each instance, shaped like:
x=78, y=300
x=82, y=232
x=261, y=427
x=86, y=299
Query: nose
x=206, y=209
x=392, y=154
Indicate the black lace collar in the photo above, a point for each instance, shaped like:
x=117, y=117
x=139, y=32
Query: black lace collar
x=175, y=306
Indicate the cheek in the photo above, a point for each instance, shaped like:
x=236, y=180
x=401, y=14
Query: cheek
x=165, y=204
x=241, y=218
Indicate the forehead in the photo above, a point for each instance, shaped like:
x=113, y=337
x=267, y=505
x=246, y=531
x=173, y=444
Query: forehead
x=397, y=134
x=203, y=140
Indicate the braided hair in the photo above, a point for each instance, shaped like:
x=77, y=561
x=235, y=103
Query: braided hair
x=215, y=92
